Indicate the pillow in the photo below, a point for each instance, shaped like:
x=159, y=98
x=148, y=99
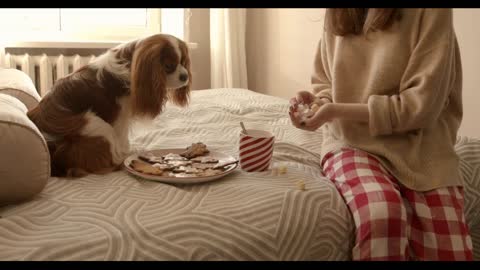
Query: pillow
x=24, y=156
x=468, y=150
x=16, y=83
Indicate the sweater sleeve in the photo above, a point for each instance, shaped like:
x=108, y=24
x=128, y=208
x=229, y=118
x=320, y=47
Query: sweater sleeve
x=427, y=81
x=321, y=80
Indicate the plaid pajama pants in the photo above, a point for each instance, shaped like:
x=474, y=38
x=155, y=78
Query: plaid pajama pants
x=393, y=222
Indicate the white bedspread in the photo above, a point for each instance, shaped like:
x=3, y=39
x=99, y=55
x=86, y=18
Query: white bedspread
x=244, y=216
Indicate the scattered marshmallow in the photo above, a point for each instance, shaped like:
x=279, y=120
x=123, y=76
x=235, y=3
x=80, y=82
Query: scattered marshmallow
x=282, y=169
x=301, y=185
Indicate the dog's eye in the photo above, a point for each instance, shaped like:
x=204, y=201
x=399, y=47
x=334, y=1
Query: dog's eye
x=169, y=68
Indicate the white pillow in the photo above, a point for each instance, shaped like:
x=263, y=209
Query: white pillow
x=24, y=156
x=18, y=84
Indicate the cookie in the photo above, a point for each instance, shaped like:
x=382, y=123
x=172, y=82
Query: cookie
x=164, y=166
x=187, y=169
x=204, y=160
x=179, y=169
x=150, y=158
x=143, y=167
x=174, y=157
x=178, y=163
x=195, y=150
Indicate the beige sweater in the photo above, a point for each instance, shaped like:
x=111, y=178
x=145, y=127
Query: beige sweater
x=411, y=78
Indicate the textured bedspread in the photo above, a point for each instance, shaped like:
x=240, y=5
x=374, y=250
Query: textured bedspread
x=244, y=216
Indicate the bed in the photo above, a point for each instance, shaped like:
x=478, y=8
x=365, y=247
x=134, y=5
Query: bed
x=243, y=216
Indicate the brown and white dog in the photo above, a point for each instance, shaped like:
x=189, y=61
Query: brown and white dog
x=86, y=115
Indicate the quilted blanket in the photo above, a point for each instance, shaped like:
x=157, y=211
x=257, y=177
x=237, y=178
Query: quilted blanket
x=243, y=216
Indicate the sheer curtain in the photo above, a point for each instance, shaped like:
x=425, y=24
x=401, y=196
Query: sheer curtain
x=227, y=48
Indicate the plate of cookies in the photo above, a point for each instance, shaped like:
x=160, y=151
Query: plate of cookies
x=193, y=164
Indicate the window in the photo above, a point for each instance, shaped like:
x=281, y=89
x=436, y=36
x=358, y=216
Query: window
x=88, y=24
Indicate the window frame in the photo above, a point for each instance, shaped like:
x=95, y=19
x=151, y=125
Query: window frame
x=106, y=34
x=58, y=39
x=121, y=33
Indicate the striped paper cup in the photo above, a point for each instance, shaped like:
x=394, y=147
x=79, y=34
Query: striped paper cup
x=255, y=150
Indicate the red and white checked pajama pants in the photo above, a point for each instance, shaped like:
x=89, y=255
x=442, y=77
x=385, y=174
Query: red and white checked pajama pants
x=393, y=222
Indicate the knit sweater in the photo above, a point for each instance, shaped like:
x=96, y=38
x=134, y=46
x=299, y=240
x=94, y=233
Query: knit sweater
x=411, y=78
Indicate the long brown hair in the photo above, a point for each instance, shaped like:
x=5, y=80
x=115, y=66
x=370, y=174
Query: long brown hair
x=356, y=21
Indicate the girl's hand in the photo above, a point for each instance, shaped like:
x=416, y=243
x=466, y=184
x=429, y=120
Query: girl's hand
x=307, y=98
x=302, y=97
x=325, y=113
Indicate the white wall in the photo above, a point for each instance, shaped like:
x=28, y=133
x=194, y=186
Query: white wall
x=281, y=44
x=467, y=27
x=200, y=57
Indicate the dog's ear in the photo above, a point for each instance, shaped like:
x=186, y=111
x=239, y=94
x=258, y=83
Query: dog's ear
x=181, y=96
x=148, y=82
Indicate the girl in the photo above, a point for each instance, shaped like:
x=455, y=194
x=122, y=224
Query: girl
x=389, y=86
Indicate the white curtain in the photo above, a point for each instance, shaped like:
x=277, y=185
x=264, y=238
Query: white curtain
x=227, y=48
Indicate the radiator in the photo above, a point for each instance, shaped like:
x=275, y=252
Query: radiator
x=45, y=69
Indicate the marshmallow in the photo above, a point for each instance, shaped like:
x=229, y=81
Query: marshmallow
x=282, y=169
x=315, y=107
x=304, y=111
x=301, y=185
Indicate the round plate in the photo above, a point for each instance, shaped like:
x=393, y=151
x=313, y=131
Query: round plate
x=182, y=180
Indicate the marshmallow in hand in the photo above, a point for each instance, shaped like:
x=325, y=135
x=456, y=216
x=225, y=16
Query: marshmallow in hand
x=305, y=111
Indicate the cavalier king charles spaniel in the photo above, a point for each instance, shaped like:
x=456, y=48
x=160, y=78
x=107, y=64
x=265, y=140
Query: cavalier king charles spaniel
x=85, y=117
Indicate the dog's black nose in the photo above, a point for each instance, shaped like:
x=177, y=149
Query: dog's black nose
x=183, y=77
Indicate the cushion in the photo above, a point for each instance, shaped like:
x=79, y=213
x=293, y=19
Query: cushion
x=18, y=84
x=24, y=158
x=468, y=150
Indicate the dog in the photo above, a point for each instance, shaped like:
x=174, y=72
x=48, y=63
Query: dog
x=86, y=115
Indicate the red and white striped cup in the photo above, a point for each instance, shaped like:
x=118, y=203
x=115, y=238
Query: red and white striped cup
x=255, y=150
